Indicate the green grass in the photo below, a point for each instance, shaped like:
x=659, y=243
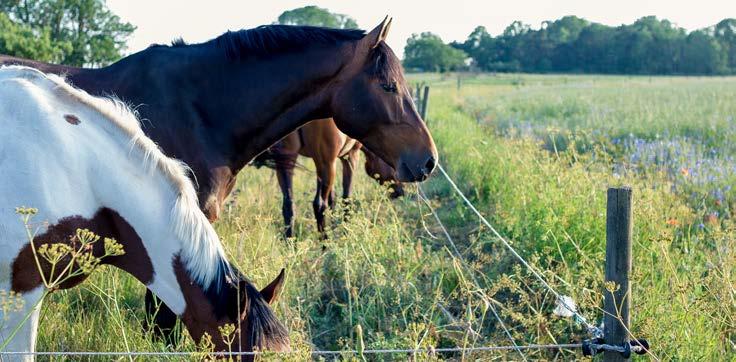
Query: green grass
x=536, y=154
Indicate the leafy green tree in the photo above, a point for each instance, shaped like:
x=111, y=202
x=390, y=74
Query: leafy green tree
x=482, y=48
x=702, y=54
x=572, y=44
x=591, y=52
x=316, y=16
x=650, y=45
x=97, y=36
x=725, y=34
x=566, y=29
x=428, y=52
x=21, y=41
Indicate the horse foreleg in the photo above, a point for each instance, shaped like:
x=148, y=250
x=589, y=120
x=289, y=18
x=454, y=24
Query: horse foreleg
x=325, y=183
x=349, y=164
x=162, y=319
x=285, y=175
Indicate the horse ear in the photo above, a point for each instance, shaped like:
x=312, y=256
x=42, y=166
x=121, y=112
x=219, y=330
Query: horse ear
x=271, y=292
x=379, y=33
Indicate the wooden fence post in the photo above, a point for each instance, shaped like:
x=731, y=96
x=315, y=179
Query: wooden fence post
x=618, y=267
x=425, y=103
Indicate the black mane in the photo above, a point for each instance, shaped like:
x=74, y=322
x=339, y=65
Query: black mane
x=178, y=42
x=273, y=39
x=266, y=331
x=277, y=39
x=225, y=294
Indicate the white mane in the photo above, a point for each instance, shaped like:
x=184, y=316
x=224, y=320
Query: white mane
x=202, y=251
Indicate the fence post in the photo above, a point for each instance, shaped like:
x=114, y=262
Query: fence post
x=618, y=268
x=425, y=103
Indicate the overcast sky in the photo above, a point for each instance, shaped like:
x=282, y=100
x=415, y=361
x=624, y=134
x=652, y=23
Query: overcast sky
x=160, y=21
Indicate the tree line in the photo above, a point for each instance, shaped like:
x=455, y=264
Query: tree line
x=85, y=32
x=573, y=44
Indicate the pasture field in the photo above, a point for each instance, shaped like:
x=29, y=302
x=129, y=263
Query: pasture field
x=535, y=153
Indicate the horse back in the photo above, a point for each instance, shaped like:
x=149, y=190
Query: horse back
x=45, y=150
x=44, y=67
x=322, y=139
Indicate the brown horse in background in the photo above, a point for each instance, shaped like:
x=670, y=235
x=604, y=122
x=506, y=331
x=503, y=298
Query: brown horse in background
x=323, y=142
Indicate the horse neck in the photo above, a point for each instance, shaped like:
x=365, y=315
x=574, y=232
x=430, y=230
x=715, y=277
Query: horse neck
x=263, y=100
x=171, y=278
x=145, y=216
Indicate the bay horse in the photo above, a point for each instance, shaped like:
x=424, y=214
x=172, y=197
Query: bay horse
x=218, y=104
x=323, y=142
x=85, y=163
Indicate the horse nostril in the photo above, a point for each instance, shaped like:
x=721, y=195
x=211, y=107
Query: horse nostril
x=429, y=166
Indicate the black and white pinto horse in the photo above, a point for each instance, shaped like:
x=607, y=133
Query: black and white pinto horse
x=84, y=163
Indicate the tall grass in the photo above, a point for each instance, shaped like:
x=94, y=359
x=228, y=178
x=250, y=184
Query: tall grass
x=387, y=278
x=550, y=201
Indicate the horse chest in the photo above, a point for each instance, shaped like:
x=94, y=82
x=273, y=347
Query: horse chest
x=213, y=194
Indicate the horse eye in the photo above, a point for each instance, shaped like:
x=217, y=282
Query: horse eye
x=391, y=88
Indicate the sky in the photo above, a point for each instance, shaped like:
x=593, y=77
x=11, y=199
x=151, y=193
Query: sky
x=160, y=21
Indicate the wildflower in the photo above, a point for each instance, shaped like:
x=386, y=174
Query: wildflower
x=87, y=263
x=611, y=286
x=227, y=329
x=53, y=253
x=673, y=222
x=206, y=343
x=684, y=171
x=26, y=210
x=113, y=248
x=86, y=237
x=10, y=302
x=227, y=333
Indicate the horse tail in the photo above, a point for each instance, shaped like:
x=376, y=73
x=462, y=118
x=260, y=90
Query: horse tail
x=273, y=159
x=264, y=159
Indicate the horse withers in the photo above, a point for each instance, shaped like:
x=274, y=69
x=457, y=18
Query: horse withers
x=85, y=164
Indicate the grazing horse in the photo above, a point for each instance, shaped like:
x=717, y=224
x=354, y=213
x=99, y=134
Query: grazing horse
x=218, y=104
x=85, y=163
x=323, y=142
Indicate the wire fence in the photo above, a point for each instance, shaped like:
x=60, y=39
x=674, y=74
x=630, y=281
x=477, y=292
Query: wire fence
x=458, y=256
x=564, y=301
x=312, y=353
x=592, y=329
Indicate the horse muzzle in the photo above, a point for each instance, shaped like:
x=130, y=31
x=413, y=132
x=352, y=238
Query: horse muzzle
x=417, y=169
